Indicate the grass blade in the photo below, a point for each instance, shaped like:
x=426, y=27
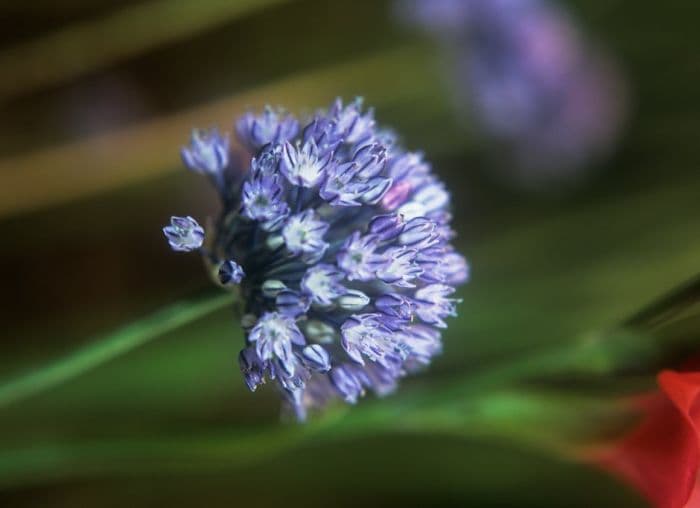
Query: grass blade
x=108, y=347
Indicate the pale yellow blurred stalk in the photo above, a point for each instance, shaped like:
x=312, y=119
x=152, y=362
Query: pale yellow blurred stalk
x=114, y=159
x=86, y=46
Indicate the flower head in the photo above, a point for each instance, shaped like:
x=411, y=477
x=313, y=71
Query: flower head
x=339, y=242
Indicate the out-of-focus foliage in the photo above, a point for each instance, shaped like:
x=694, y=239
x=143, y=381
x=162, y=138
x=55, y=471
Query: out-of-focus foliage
x=89, y=172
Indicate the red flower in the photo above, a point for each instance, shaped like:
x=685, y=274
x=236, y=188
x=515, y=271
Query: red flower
x=661, y=455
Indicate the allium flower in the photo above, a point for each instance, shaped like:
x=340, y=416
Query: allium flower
x=338, y=242
x=184, y=234
x=304, y=165
x=272, y=126
x=549, y=100
x=208, y=152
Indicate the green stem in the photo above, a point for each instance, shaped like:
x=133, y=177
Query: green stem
x=665, y=310
x=105, y=348
x=453, y=408
x=181, y=454
x=466, y=407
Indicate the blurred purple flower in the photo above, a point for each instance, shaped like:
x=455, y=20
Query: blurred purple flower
x=549, y=100
x=338, y=242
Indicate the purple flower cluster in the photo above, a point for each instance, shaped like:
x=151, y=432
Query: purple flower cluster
x=549, y=100
x=338, y=241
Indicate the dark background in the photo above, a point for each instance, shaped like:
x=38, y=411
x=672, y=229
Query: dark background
x=95, y=99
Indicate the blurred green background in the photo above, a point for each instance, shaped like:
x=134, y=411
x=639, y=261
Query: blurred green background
x=97, y=96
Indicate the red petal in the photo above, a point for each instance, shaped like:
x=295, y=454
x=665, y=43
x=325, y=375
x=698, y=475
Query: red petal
x=661, y=456
x=694, y=501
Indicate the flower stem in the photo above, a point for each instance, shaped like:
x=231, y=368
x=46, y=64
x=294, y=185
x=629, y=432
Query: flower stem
x=108, y=347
